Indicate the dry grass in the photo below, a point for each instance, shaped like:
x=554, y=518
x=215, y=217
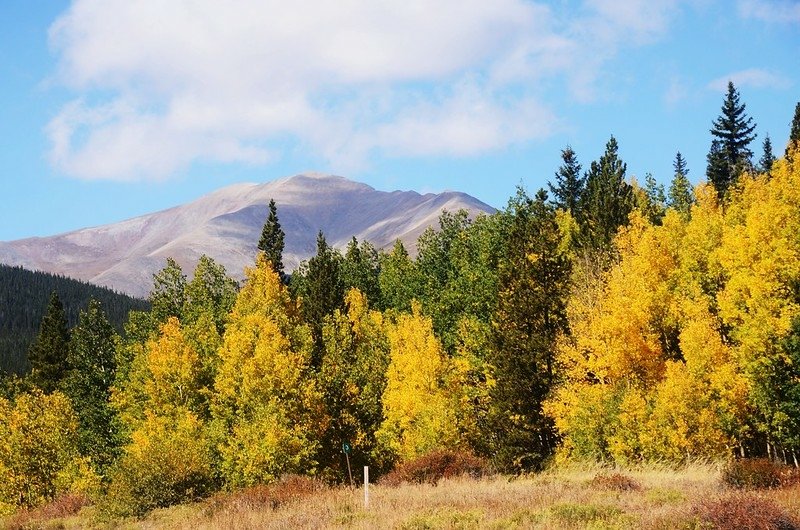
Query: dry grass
x=567, y=498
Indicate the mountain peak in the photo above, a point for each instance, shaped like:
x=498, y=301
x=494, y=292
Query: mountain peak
x=226, y=225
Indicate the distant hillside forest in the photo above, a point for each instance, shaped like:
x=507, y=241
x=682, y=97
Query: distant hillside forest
x=24, y=296
x=608, y=321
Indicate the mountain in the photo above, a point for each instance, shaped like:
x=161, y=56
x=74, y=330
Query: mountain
x=226, y=225
x=23, y=300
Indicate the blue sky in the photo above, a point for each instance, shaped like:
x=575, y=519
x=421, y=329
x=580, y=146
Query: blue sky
x=113, y=109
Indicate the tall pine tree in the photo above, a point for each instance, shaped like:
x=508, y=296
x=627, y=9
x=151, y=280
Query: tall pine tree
x=272, y=240
x=794, y=133
x=530, y=315
x=48, y=354
x=681, y=195
x=608, y=199
x=321, y=287
x=569, y=186
x=767, y=158
x=730, y=153
x=92, y=370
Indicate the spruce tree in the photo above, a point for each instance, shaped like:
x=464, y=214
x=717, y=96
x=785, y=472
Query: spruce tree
x=656, y=205
x=608, y=199
x=794, y=133
x=48, y=354
x=767, y=158
x=92, y=369
x=322, y=290
x=570, y=185
x=531, y=313
x=681, y=195
x=733, y=132
x=272, y=240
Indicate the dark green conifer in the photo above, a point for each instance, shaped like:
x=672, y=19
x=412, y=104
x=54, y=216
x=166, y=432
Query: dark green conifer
x=608, y=199
x=48, y=354
x=730, y=153
x=92, y=369
x=767, y=158
x=534, y=283
x=681, y=194
x=322, y=290
x=569, y=186
x=794, y=133
x=272, y=240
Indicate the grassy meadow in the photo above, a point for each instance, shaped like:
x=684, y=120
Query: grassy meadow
x=694, y=497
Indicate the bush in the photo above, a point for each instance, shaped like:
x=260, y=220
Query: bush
x=169, y=461
x=433, y=467
x=287, y=489
x=615, y=481
x=750, y=473
x=64, y=505
x=742, y=511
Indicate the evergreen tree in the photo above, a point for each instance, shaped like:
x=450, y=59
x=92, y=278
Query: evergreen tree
x=92, y=369
x=321, y=289
x=681, y=195
x=272, y=240
x=733, y=130
x=767, y=159
x=794, y=133
x=570, y=185
x=48, y=354
x=531, y=314
x=608, y=199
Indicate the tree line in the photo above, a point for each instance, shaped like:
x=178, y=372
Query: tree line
x=607, y=320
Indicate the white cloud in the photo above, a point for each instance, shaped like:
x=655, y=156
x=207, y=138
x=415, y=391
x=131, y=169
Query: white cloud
x=752, y=77
x=163, y=84
x=780, y=11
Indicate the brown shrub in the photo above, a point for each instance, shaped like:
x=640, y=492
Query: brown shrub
x=748, y=473
x=433, y=467
x=65, y=505
x=743, y=511
x=287, y=489
x=615, y=481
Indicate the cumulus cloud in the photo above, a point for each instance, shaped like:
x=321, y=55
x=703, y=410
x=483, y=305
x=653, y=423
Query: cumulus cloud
x=752, y=77
x=160, y=85
x=780, y=11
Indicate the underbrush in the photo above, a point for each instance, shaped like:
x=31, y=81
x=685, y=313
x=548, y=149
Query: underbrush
x=754, y=473
x=63, y=506
x=742, y=511
x=265, y=496
x=435, y=466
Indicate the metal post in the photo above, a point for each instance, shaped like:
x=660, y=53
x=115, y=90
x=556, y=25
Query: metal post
x=349, y=471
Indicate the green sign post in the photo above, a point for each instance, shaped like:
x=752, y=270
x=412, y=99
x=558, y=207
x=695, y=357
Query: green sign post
x=346, y=448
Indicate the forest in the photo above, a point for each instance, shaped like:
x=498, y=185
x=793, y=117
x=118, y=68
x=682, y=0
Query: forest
x=602, y=320
x=24, y=296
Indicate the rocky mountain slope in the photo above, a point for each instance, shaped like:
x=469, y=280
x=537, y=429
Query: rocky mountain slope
x=226, y=225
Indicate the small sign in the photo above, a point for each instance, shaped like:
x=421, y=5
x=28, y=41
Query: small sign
x=346, y=448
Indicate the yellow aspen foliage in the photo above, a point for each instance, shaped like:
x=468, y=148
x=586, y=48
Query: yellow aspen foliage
x=760, y=252
x=417, y=411
x=267, y=411
x=174, y=367
x=470, y=380
x=38, y=451
x=169, y=460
